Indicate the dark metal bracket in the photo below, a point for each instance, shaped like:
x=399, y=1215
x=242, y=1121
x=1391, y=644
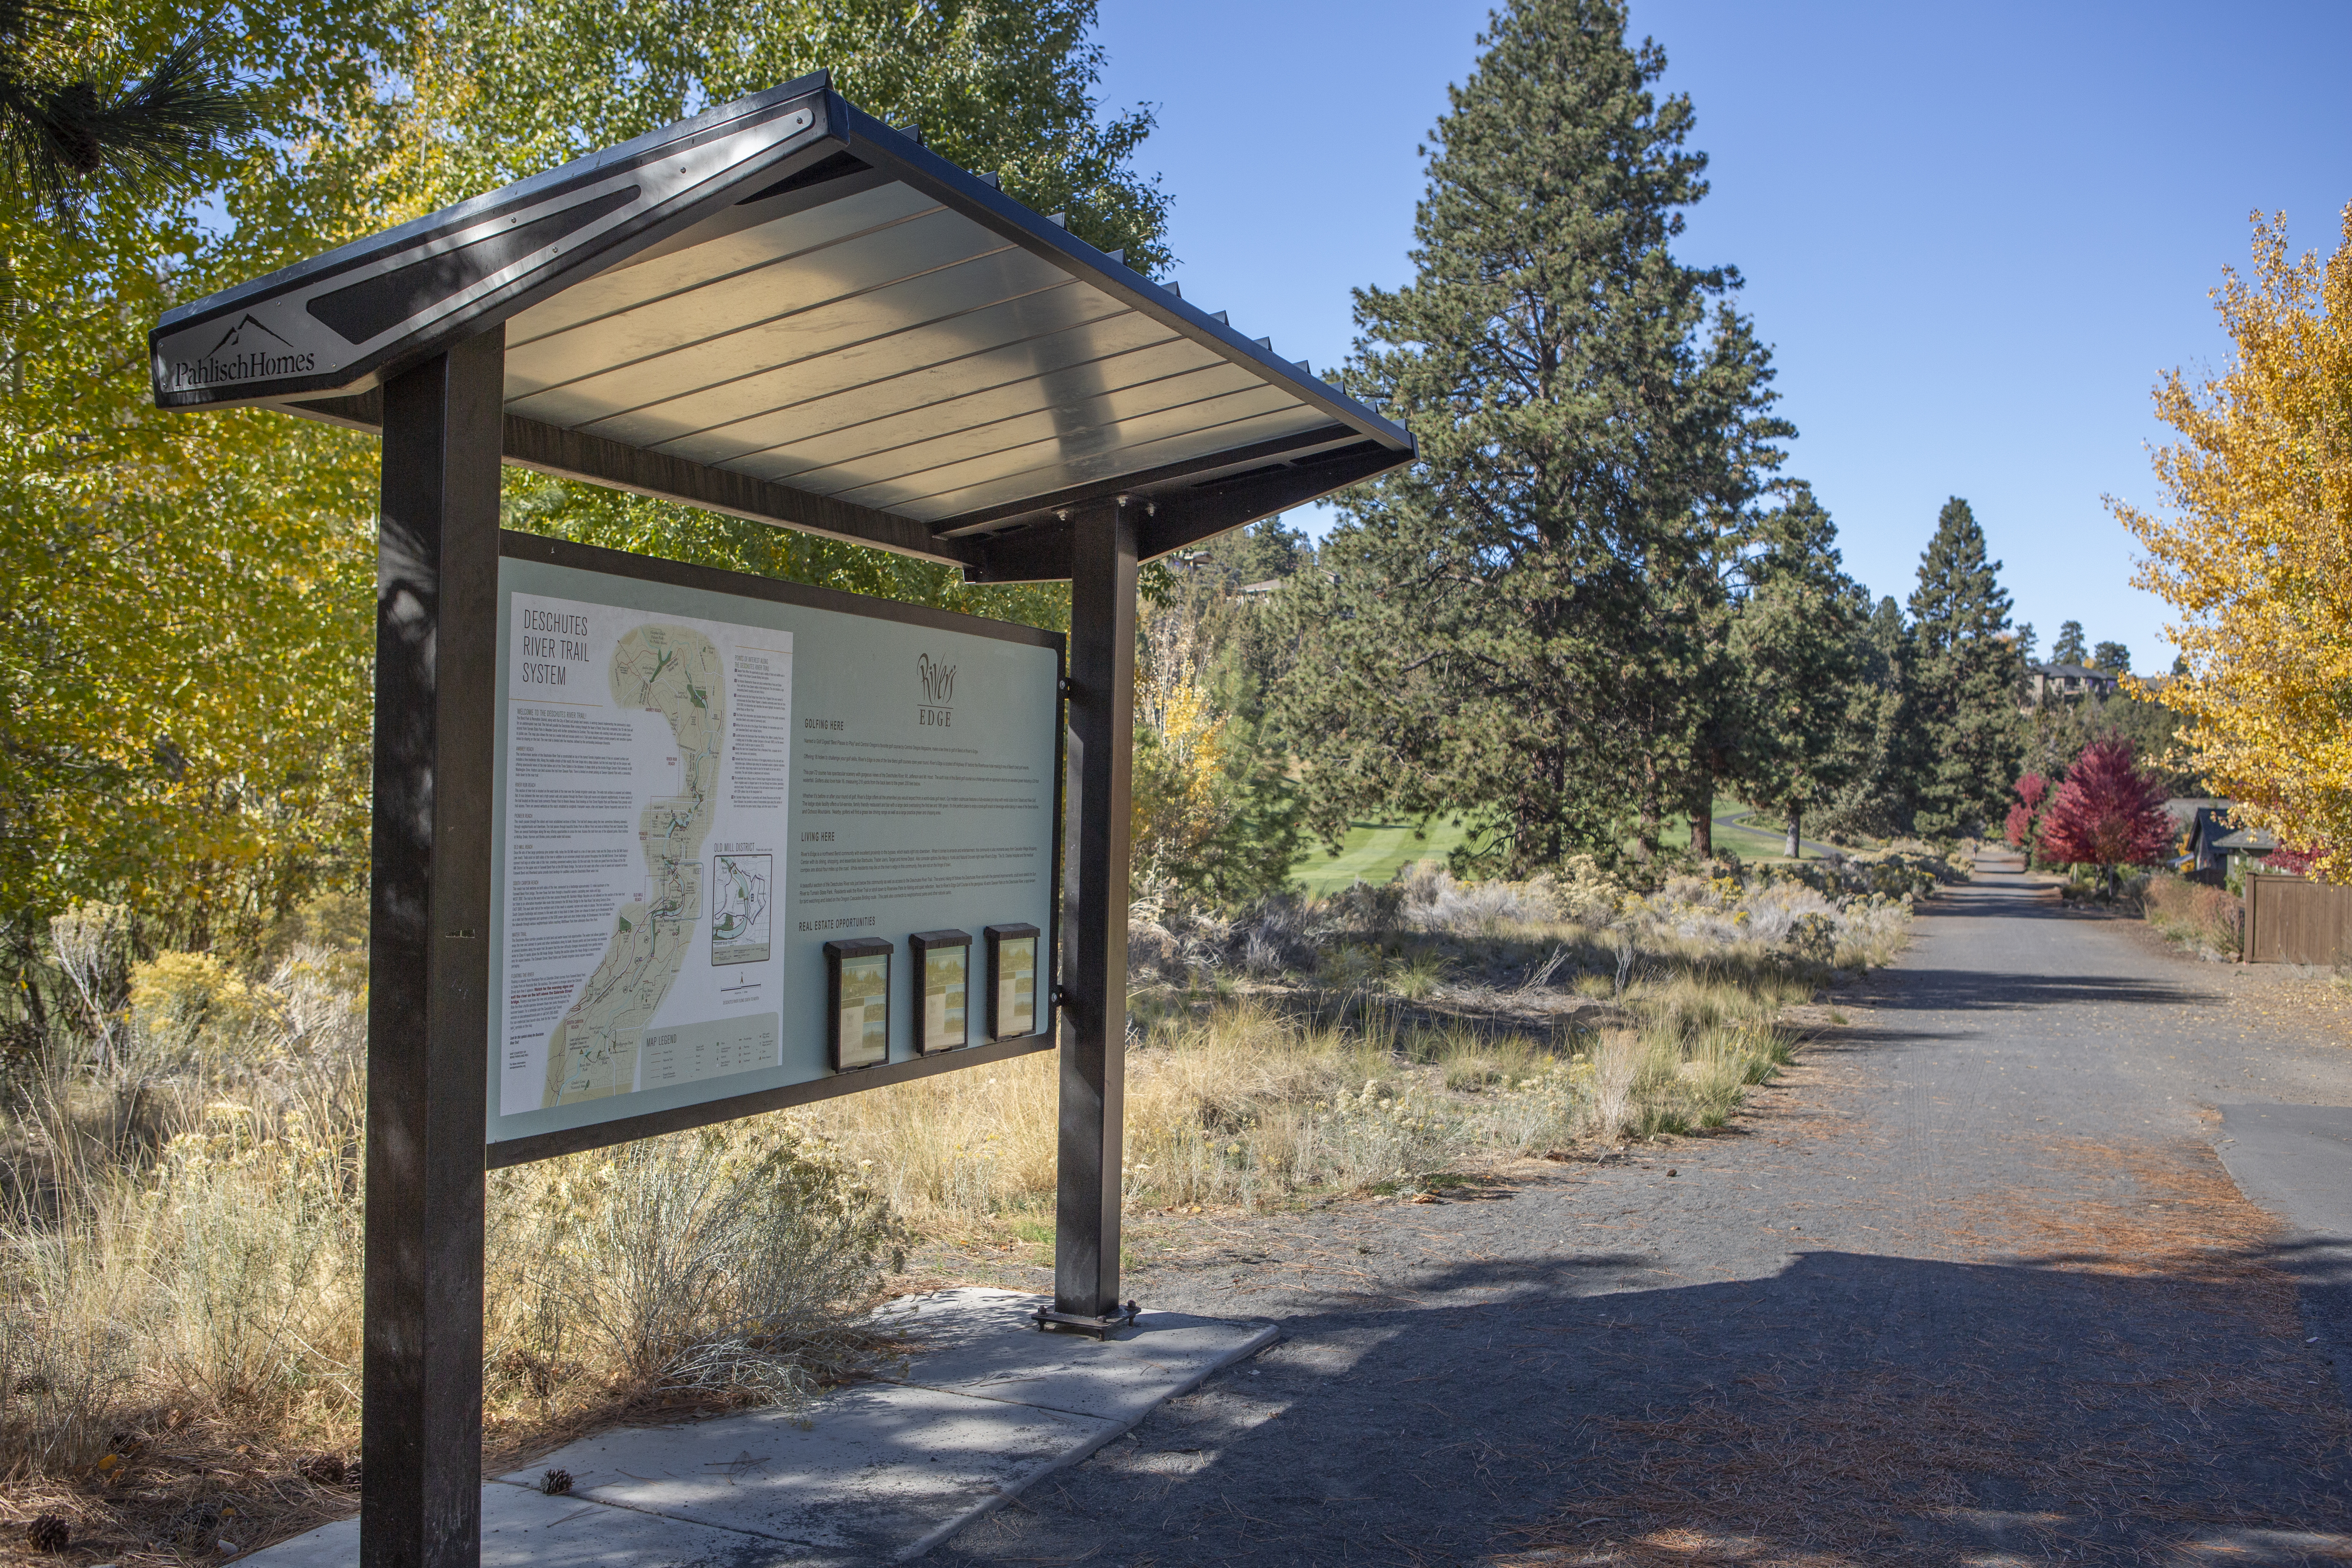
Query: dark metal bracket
x=1102, y=1328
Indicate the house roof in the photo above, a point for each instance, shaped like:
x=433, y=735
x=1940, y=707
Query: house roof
x=2075, y=672
x=785, y=310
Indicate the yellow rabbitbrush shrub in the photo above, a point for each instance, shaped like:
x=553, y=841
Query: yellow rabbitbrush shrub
x=2258, y=558
x=178, y=999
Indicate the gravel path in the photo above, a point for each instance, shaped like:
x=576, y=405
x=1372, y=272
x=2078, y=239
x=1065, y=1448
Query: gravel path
x=1968, y=1286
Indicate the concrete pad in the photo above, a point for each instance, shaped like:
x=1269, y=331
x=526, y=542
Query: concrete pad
x=881, y=1470
x=983, y=1342
x=987, y=1404
x=528, y=1529
x=2296, y=1160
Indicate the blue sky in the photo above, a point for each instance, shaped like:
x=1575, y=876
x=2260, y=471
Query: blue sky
x=1975, y=236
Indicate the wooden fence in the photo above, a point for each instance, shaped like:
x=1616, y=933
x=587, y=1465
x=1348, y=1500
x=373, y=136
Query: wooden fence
x=2290, y=921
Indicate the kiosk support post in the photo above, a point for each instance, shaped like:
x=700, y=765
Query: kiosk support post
x=428, y=1016
x=1094, y=1008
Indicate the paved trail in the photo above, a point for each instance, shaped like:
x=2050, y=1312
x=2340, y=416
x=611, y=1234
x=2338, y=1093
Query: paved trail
x=1968, y=1287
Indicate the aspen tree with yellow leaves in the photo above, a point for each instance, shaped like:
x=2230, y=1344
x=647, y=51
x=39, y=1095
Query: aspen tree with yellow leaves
x=1182, y=806
x=186, y=601
x=1214, y=820
x=2257, y=555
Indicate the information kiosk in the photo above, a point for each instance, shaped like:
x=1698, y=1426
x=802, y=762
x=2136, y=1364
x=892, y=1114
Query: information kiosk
x=655, y=846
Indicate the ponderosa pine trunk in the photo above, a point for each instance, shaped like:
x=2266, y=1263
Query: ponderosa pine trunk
x=1701, y=810
x=1796, y=834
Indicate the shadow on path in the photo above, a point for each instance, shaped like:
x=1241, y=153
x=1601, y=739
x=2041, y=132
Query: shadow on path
x=1851, y=1409
x=1970, y=989
x=2095, y=1353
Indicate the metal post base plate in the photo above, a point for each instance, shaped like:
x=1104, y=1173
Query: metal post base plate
x=1045, y=1318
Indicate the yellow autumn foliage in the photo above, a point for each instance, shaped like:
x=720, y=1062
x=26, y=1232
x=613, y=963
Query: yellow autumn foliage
x=185, y=611
x=1182, y=801
x=2256, y=557
x=182, y=1001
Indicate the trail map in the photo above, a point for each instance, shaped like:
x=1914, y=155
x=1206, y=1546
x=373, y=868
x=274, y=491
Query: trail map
x=675, y=673
x=638, y=935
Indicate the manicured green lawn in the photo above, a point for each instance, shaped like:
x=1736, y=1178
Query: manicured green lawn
x=1739, y=830
x=1373, y=852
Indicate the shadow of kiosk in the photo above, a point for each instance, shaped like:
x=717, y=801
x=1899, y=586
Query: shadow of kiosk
x=784, y=311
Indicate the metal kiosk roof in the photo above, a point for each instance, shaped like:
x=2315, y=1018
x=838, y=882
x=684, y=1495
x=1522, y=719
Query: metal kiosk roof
x=785, y=310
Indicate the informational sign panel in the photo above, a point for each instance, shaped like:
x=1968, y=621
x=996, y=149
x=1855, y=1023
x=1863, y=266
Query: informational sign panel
x=707, y=795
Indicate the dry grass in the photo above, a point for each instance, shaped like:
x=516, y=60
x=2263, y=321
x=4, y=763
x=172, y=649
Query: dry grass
x=180, y=1269
x=2206, y=920
x=1373, y=1040
x=180, y=1250
x=1257, y=1099
x=1427, y=937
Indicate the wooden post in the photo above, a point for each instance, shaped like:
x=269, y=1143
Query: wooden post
x=428, y=982
x=2250, y=919
x=1094, y=945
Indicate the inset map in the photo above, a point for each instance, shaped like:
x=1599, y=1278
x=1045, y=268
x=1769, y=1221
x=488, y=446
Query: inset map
x=742, y=902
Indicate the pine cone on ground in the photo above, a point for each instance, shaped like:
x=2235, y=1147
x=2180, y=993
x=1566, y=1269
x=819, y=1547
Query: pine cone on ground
x=555, y=1483
x=50, y=1532
x=326, y=1470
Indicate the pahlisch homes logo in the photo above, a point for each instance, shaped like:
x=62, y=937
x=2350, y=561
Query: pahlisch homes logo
x=251, y=352
x=939, y=691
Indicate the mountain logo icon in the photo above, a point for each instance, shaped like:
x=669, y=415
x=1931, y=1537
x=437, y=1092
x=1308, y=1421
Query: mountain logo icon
x=234, y=336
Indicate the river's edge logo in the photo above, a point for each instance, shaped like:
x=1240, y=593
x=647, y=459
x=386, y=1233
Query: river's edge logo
x=251, y=360
x=939, y=690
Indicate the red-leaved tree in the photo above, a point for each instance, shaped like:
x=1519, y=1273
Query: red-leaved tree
x=2291, y=861
x=2019, y=828
x=2107, y=813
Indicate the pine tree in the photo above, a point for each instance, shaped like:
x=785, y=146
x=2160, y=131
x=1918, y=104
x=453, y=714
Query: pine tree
x=1876, y=801
x=73, y=109
x=2055, y=733
x=1962, y=682
x=2112, y=658
x=1797, y=637
x=2068, y=648
x=1518, y=628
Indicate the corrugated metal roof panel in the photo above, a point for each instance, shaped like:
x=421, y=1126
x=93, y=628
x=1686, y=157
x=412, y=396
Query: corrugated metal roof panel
x=785, y=291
